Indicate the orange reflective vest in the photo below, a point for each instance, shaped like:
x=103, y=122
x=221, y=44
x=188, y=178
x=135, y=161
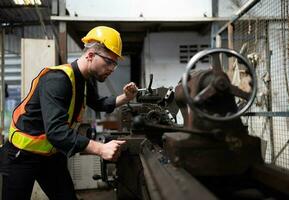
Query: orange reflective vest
x=38, y=144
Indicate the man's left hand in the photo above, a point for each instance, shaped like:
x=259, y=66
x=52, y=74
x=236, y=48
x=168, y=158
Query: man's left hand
x=130, y=90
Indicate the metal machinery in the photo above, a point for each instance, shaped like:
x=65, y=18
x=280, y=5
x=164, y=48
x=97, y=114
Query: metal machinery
x=211, y=157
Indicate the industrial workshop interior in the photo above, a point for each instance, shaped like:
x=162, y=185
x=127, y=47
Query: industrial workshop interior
x=148, y=99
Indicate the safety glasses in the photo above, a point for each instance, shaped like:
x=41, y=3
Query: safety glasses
x=108, y=61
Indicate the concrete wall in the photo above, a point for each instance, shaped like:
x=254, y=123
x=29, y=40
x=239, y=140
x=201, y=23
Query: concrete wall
x=162, y=56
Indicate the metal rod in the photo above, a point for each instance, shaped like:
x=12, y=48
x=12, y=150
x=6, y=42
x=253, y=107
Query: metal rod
x=267, y=114
x=142, y=89
x=280, y=152
x=62, y=27
x=218, y=41
x=214, y=133
x=269, y=87
x=231, y=36
x=231, y=46
x=41, y=21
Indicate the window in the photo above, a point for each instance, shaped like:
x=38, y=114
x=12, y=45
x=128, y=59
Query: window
x=188, y=51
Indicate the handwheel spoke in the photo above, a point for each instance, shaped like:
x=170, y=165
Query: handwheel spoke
x=239, y=93
x=205, y=94
x=216, y=62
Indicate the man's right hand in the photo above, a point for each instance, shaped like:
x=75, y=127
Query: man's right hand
x=107, y=151
x=111, y=150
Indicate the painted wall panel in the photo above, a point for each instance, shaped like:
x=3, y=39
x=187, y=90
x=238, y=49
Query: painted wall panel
x=36, y=54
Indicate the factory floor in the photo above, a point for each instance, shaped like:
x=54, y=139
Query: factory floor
x=96, y=195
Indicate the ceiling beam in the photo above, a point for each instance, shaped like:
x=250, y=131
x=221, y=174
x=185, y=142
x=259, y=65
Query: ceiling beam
x=136, y=19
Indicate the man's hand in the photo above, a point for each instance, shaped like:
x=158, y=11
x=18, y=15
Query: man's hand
x=111, y=150
x=129, y=93
x=108, y=151
x=130, y=90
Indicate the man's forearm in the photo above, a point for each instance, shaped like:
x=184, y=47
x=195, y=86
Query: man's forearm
x=121, y=100
x=93, y=147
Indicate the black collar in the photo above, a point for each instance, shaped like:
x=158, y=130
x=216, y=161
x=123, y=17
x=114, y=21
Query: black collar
x=77, y=73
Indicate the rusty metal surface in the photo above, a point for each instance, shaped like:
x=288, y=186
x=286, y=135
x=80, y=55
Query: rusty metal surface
x=166, y=182
x=62, y=43
x=203, y=156
x=272, y=176
x=130, y=179
x=231, y=153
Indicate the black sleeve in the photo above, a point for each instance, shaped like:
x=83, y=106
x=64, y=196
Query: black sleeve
x=96, y=102
x=55, y=91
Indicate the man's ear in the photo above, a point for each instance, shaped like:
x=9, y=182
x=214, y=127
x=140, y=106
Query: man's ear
x=89, y=56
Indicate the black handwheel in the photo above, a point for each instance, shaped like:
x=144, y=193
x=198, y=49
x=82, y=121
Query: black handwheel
x=221, y=83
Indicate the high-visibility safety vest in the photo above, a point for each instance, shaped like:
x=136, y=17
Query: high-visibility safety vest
x=39, y=143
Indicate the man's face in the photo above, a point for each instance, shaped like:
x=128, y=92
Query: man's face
x=102, y=65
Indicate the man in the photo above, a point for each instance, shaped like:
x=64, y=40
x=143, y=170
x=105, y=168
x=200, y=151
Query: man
x=41, y=135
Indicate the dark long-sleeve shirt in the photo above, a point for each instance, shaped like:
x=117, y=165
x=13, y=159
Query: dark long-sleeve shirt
x=48, y=109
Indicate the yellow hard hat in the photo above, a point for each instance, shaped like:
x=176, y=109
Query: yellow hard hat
x=107, y=36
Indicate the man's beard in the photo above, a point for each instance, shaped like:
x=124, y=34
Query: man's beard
x=99, y=78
